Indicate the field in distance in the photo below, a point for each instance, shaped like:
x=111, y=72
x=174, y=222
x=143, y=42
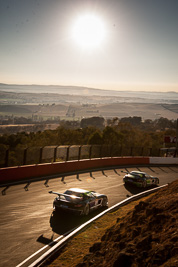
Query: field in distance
x=69, y=102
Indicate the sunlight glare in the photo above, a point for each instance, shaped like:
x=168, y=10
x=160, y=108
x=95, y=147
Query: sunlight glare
x=89, y=31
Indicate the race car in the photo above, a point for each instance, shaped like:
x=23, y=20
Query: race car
x=140, y=179
x=79, y=201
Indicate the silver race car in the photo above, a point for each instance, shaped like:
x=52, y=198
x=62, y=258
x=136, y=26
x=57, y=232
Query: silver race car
x=79, y=201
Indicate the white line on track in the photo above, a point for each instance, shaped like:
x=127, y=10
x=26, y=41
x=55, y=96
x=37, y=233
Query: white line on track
x=41, y=249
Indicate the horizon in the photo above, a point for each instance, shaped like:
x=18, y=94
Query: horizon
x=94, y=88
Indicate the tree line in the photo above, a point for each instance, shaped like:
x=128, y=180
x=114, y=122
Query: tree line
x=129, y=132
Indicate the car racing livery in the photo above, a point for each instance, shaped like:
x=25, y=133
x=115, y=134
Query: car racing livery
x=79, y=201
x=140, y=179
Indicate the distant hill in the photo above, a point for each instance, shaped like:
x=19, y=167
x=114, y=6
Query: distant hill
x=98, y=95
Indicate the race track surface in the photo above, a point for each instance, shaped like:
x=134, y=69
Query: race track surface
x=27, y=220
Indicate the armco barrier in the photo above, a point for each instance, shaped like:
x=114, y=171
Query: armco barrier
x=14, y=174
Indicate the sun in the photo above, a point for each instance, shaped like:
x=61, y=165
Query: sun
x=89, y=31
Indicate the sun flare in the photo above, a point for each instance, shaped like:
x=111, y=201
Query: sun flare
x=88, y=31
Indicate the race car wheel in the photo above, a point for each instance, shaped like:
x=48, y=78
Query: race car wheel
x=104, y=202
x=86, y=210
x=144, y=184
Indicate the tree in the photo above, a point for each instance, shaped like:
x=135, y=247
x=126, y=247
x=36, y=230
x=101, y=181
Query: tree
x=93, y=121
x=163, y=123
x=111, y=136
x=132, y=120
x=95, y=139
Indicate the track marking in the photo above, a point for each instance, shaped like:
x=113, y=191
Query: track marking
x=38, y=251
x=41, y=249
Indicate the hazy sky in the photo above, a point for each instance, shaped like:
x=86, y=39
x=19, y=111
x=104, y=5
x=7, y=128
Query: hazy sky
x=138, y=48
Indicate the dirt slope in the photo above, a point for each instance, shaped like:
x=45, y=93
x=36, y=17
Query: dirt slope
x=146, y=236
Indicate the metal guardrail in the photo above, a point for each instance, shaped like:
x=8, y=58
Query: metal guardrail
x=61, y=243
x=26, y=262
x=48, y=154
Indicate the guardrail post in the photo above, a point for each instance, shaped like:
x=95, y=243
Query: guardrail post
x=79, y=152
x=55, y=153
x=142, y=151
x=111, y=149
x=67, y=153
x=90, y=152
x=131, y=151
x=101, y=151
x=25, y=156
x=121, y=151
x=41, y=154
x=6, y=158
x=167, y=152
x=150, y=154
x=159, y=152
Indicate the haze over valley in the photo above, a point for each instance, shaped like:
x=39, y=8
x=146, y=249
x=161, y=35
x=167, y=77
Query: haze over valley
x=72, y=102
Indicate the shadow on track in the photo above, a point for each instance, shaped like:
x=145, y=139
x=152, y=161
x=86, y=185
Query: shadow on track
x=171, y=169
x=4, y=190
x=136, y=190
x=62, y=222
x=46, y=241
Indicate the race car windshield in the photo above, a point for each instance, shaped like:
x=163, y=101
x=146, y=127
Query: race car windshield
x=90, y=194
x=72, y=193
x=138, y=173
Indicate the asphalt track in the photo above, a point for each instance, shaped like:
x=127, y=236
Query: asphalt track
x=27, y=220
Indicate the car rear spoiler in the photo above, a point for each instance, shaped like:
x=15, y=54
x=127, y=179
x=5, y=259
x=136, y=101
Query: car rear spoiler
x=65, y=195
